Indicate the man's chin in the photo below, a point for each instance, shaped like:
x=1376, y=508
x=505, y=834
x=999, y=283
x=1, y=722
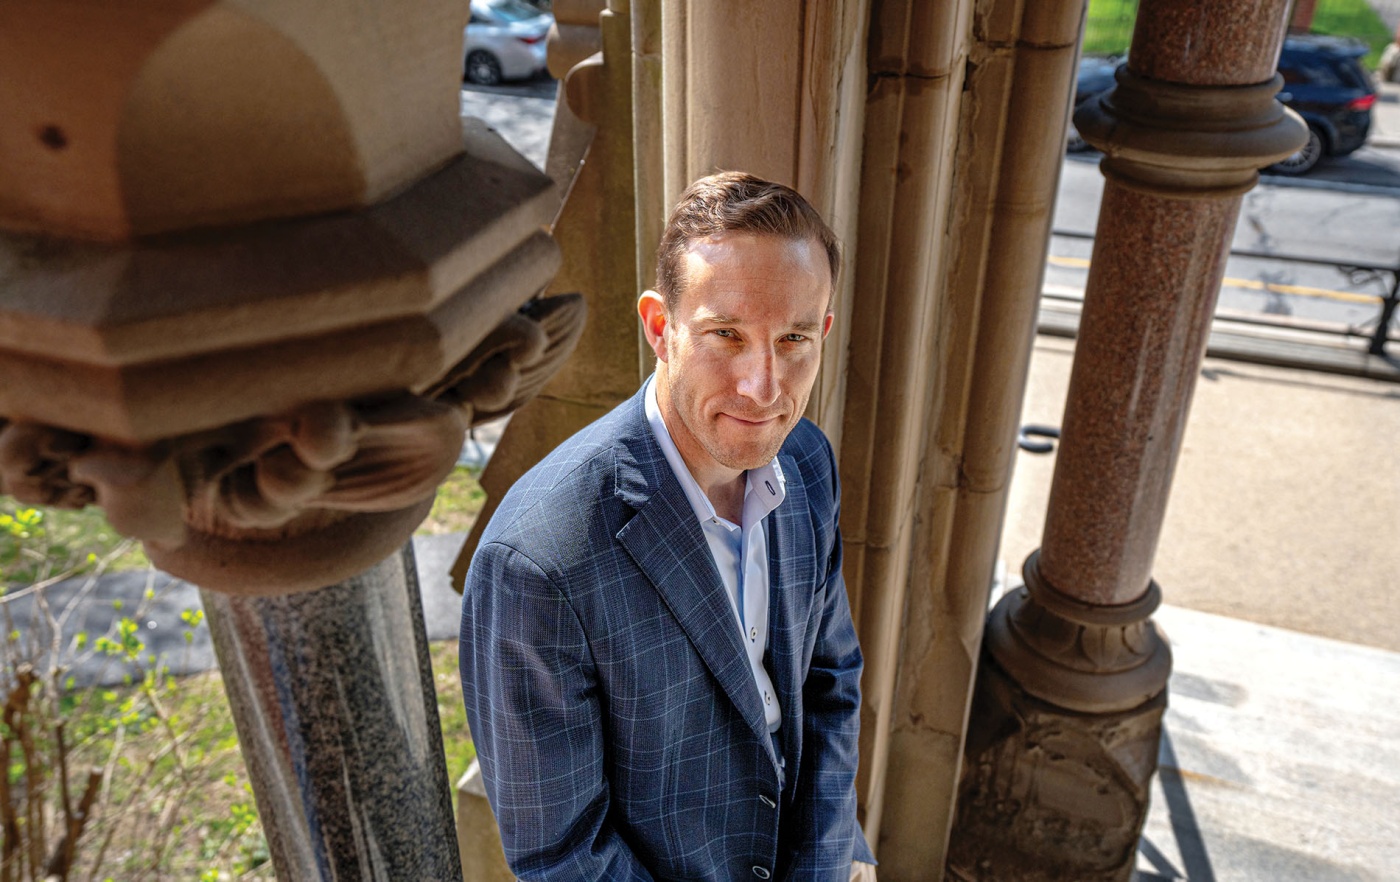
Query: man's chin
x=744, y=456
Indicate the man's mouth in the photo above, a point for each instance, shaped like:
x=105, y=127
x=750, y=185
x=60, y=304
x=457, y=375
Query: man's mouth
x=751, y=420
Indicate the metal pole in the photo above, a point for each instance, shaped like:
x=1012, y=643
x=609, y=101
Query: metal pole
x=332, y=694
x=1382, y=334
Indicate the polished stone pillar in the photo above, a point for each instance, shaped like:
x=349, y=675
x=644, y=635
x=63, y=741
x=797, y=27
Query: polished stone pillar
x=1067, y=710
x=332, y=694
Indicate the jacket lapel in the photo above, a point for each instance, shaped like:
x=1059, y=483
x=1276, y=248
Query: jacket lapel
x=790, y=580
x=667, y=544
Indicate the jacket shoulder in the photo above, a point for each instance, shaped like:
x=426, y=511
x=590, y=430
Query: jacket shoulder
x=569, y=493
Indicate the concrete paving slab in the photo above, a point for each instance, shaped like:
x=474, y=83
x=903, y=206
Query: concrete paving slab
x=1284, y=503
x=1279, y=759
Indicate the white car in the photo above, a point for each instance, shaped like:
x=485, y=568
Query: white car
x=505, y=40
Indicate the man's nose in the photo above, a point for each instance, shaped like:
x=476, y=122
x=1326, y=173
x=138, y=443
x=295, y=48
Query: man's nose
x=758, y=377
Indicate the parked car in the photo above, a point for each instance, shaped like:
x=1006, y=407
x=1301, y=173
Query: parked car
x=1323, y=81
x=504, y=40
x=1095, y=76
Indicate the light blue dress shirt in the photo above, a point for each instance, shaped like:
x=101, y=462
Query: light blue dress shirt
x=740, y=551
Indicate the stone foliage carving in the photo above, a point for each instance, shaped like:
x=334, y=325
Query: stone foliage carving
x=514, y=362
x=254, y=499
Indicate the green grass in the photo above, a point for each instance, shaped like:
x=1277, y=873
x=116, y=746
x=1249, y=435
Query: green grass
x=452, y=711
x=1109, y=26
x=1353, y=18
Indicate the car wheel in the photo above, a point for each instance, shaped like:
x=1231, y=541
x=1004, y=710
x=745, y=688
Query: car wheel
x=483, y=68
x=1302, y=162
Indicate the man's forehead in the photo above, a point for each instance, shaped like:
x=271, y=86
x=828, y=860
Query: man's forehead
x=726, y=262
x=722, y=249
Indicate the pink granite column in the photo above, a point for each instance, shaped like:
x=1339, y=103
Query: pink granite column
x=1067, y=711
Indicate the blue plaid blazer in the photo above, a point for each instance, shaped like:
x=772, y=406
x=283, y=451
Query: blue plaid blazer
x=616, y=720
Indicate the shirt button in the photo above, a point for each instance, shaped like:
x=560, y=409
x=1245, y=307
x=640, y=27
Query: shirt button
x=767, y=699
x=753, y=633
x=761, y=872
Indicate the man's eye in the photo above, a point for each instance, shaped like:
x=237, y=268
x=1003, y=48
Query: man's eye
x=795, y=338
x=724, y=332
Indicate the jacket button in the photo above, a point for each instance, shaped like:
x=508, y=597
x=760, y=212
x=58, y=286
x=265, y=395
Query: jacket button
x=768, y=802
x=761, y=873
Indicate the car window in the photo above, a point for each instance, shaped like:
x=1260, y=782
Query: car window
x=512, y=10
x=1354, y=74
x=1308, y=71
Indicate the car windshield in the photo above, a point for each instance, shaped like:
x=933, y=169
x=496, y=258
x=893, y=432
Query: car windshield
x=511, y=10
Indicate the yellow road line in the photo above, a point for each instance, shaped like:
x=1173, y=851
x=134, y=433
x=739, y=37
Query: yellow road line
x=1253, y=285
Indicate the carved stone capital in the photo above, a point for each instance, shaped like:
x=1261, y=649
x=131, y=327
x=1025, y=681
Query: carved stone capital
x=1076, y=655
x=1188, y=141
x=299, y=499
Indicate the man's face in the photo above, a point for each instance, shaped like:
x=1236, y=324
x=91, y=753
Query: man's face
x=739, y=352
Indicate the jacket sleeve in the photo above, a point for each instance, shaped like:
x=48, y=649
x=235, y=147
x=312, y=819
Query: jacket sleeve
x=828, y=835
x=532, y=704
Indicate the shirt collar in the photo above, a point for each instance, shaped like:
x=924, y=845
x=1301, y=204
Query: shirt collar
x=765, y=487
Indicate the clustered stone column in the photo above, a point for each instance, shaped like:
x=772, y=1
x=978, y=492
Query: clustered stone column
x=257, y=278
x=1068, y=706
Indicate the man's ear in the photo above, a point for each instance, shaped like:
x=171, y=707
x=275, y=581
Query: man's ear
x=652, y=308
x=826, y=325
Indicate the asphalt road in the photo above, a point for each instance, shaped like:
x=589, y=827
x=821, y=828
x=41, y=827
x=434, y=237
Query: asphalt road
x=1346, y=212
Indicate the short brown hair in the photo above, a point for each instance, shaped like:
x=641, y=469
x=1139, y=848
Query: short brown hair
x=737, y=202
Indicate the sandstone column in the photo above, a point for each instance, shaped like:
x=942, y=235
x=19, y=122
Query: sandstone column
x=961, y=165
x=1067, y=710
x=590, y=157
x=776, y=89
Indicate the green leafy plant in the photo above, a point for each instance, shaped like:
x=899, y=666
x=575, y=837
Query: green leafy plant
x=104, y=781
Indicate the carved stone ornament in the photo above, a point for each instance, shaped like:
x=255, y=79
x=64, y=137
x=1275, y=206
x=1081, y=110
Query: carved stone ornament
x=300, y=499
x=1049, y=795
x=1187, y=141
x=1075, y=655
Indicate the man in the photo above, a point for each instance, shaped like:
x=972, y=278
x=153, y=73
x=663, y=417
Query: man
x=660, y=669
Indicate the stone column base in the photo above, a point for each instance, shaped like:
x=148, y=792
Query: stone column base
x=1058, y=764
x=1049, y=794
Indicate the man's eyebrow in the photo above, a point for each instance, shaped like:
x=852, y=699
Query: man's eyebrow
x=719, y=318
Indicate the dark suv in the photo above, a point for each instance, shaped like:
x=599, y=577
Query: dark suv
x=1323, y=81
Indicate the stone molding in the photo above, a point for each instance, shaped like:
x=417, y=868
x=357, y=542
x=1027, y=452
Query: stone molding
x=299, y=499
x=163, y=336
x=1075, y=655
x=1189, y=141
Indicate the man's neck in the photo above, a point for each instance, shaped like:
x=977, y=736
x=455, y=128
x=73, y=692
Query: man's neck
x=728, y=498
